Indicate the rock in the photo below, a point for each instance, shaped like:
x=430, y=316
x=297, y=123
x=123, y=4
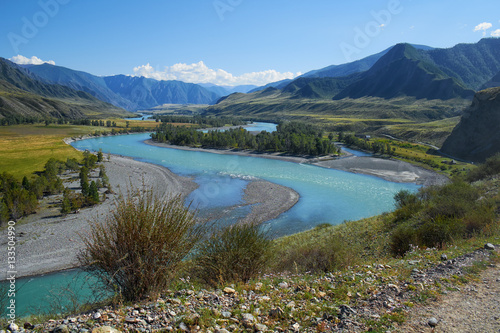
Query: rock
x=432, y=322
x=105, y=329
x=96, y=315
x=248, y=319
x=28, y=326
x=393, y=286
x=321, y=294
x=276, y=312
x=222, y=330
x=258, y=286
x=260, y=328
x=228, y=290
x=489, y=246
x=60, y=329
x=183, y=327
x=296, y=327
x=444, y=257
x=13, y=327
x=226, y=314
x=283, y=285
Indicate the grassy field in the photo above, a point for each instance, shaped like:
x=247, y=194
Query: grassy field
x=25, y=149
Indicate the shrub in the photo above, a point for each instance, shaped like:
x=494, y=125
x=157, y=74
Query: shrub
x=235, y=253
x=139, y=247
x=402, y=238
x=489, y=168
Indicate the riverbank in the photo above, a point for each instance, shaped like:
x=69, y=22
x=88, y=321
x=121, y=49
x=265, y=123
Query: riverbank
x=387, y=169
x=48, y=241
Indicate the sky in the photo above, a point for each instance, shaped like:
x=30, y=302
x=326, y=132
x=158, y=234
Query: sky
x=230, y=42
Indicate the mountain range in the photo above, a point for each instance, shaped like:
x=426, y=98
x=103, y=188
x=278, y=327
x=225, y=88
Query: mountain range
x=417, y=72
x=404, y=70
x=24, y=94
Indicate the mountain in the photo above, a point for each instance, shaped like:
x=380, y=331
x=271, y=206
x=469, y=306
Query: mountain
x=473, y=64
x=404, y=71
x=494, y=82
x=357, y=66
x=278, y=84
x=326, y=87
x=147, y=93
x=227, y=90
x=78, y=80
x=21, y=94
x=477, y=136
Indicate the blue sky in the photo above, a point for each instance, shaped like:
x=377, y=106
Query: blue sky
x=231, y=41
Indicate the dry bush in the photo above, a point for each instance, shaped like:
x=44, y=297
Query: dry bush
x=139, y=247
x=236, y=253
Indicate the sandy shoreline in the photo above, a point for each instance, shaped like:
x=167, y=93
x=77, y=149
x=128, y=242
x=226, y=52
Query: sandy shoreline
x=49, y=242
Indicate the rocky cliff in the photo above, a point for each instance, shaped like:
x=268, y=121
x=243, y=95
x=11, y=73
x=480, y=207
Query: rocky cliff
x=477, y=136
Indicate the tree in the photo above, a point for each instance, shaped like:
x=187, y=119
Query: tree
x=139, y=247
x=93, y=194
x=99, y=155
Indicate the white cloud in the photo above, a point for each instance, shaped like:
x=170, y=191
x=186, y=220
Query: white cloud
x=483, y=27
x=201, y=73
x=21, y=60
x=496, y=33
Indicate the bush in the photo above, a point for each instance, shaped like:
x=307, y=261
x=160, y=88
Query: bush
x=235, y=253
x=489, y=168
x=139, y=247
x=401, y=239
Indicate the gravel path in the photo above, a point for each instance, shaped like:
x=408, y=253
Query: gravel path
x=475, y=308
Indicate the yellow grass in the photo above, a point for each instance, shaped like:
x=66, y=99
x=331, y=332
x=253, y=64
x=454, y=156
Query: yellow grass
x=25, y=149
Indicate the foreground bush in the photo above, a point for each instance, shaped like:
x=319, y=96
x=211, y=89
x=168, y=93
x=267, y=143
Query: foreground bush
x=139, y=247
x=235, y=253
x=438, y=215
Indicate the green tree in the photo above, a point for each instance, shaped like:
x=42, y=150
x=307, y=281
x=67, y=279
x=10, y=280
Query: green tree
x=93, y=193
x=99, y=155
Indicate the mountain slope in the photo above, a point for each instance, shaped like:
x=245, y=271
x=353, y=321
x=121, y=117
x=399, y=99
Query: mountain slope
x=78, y=80
x=474, y=64
x=404, y=72
x=147, y=93
x=21, y=95
x=494, y=82
x=477, y=136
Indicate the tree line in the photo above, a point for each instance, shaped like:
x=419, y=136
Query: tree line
x=21, y=198
x=201, y=121
x=290, y=137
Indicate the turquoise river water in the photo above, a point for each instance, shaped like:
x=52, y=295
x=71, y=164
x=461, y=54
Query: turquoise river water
x=326, y=196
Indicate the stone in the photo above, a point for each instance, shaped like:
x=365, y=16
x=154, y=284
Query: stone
x=489, y=246
x=96, y=315
x=260, y=328
x=248, y=319
x=432, y=322
x=276, y=312
x=393, y=286
x=258, y=286
x=60, y=329
x=222, y=330
x=226, y=314
x=105, y=329
x=283, y=285
x=296, y=327
x=183, y=327
x=444, y=257
x=13, y=327
x=28, y=326
x=229, y=290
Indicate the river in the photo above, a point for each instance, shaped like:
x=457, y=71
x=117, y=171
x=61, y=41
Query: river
x=326, y=196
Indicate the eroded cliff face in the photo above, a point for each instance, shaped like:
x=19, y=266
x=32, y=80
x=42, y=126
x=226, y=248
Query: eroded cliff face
x=477, y=136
